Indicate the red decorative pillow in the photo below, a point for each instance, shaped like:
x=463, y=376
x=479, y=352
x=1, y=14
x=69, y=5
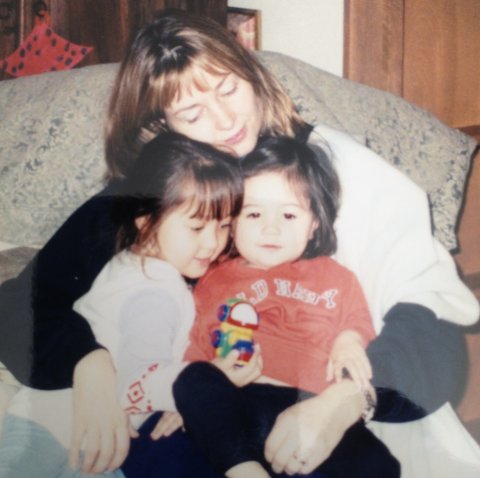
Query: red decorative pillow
x=43, y=50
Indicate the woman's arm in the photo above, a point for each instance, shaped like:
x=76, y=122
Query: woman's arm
x=63, y=271
x=409, y=279
x=419, y=362
x=38, y=307
x=44, y=337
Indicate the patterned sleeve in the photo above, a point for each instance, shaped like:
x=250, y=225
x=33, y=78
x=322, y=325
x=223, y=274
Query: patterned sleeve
x=146, y=370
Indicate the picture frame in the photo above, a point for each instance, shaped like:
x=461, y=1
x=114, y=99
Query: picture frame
x=245, y=25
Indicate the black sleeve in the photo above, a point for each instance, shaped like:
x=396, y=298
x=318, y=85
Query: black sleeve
x=419, y=363
x=42, y=337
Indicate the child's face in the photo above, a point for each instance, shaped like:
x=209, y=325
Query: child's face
x=275, y=223
x=190, y=244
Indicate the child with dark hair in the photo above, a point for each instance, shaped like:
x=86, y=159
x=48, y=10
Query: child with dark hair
x=174, y=214
x=314, y=322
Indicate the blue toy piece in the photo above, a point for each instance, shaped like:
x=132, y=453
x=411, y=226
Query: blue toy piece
x=238, y=321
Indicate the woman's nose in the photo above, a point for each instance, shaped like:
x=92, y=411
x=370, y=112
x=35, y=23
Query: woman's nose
x=223, y=115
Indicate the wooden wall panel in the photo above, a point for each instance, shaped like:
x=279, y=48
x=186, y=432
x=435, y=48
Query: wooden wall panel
x=442, y=60
x=373, y=48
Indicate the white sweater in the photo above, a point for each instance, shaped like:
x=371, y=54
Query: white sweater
x=394, y=256
x=142, y=314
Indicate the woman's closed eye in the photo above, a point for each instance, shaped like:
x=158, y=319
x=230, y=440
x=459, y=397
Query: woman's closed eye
x=228, y=88
x=289, y=216
x=252, y=215
x=191, y=115
x=230, y=91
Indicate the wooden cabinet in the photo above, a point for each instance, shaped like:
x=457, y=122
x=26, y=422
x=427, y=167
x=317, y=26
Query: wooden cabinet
x=107, y=25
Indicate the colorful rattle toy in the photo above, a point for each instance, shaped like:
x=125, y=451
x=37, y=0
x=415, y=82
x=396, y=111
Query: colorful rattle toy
x=238, y=321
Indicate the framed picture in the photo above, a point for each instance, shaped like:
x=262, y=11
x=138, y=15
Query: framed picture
x=245, y=25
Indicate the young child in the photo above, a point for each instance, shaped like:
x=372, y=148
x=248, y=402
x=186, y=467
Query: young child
x=314, y=322
x=174, y=218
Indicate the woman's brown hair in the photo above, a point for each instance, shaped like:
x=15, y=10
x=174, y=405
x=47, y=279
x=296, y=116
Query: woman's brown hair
x=161, y=57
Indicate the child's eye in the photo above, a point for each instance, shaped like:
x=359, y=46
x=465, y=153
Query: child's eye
x=197, y=226
x=253, y=215
x=289, y=216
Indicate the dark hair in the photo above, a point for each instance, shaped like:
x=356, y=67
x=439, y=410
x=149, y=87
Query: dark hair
x=172, y=170
x=310, y=172
x=163, y=58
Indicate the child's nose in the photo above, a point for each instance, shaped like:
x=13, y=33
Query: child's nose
x=211, y=239
x=270, y=226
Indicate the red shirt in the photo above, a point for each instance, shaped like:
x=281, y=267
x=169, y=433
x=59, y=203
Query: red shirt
x=303, y=306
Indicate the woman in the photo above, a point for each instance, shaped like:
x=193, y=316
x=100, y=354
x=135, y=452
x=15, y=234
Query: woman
x=186, y=74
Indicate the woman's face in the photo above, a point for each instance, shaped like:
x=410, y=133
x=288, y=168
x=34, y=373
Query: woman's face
x=224, y=112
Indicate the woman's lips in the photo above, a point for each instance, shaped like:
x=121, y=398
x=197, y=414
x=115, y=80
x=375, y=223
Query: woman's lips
x=237, y=138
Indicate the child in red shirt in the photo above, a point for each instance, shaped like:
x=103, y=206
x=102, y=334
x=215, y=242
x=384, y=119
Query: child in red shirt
x=314, y=320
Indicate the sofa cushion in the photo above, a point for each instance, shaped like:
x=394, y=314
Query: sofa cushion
x=51, y=149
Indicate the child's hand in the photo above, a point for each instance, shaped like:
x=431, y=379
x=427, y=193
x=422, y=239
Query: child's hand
x=168, y=423
x=348, y=351
x=240, y=376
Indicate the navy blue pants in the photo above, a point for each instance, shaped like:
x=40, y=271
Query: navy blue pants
x=230, y=426
x=174, y=457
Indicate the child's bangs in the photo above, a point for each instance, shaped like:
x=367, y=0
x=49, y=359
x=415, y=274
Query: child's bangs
x=298, y=183
x=214, y=200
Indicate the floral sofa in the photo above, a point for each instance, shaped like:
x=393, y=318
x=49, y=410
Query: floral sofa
x=51, y=150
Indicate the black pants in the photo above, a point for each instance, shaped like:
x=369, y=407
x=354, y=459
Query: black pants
x=231, y=424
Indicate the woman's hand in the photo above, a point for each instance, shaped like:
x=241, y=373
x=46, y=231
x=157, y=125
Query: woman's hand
x=240, y=376
x=168, y=423
x=305, y=434
x=99, y=422
x=348, y=352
